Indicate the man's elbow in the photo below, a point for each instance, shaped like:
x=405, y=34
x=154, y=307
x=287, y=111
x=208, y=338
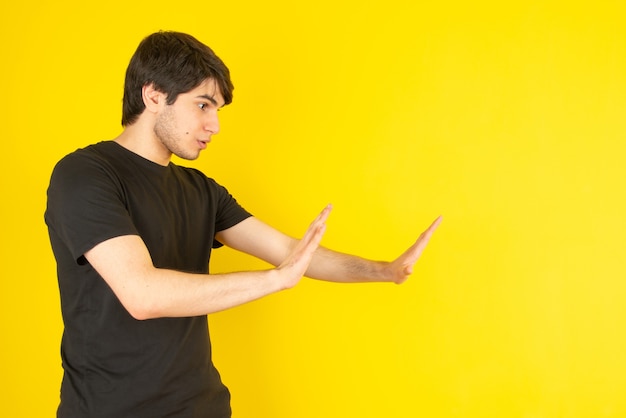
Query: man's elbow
x=142, y=310
x=140, y=315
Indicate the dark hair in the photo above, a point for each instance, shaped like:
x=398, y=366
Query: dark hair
x=174, y=63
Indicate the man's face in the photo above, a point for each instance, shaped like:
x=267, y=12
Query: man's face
x=185, y=127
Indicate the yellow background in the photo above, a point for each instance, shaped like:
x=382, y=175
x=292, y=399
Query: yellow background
x=508, y=118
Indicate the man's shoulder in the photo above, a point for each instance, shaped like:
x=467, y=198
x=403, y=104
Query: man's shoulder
x=98, y=151
x=82, y=158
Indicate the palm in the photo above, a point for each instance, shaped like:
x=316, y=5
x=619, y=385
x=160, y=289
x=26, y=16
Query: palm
x=402, y=267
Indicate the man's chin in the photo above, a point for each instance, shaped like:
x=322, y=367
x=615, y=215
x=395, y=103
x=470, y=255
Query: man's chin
x=188, y=156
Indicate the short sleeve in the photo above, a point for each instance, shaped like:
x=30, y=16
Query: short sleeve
x=229, y=211
x=86, y=204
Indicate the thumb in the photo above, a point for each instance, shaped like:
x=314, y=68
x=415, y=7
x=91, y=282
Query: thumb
x=408, y=270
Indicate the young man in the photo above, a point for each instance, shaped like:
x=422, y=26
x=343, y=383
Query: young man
x=132, y=234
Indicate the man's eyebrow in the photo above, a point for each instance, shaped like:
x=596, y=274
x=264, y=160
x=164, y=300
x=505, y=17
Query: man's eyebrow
x=207, y=97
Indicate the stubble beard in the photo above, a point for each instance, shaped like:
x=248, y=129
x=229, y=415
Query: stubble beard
x=165, y=130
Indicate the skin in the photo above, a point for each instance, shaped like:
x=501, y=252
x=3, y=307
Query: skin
x=184, y=129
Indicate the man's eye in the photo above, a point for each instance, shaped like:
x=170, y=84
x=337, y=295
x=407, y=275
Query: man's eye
x=202, y=106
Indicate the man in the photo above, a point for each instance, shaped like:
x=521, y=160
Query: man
x=132, y=234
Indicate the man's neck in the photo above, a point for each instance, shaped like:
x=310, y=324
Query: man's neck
x=143, y=142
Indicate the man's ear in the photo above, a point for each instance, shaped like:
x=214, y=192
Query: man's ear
x=152, y=98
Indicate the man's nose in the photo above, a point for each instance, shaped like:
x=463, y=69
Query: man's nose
x=212, y=124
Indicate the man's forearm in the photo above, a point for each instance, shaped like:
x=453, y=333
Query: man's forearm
x=168, y=293
x=149, y=292
x=339, y=267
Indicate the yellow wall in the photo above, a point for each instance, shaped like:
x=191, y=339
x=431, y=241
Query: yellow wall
x=505, y=117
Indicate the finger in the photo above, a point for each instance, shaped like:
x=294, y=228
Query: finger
x=313, y=237
x=435, y=224
x=425, y=236
x=305, y=247
x=410, y=257
x=319, y=220
x=323, y=215
x=414, y=252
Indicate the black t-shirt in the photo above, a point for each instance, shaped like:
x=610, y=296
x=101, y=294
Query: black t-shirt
x=116, y=366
